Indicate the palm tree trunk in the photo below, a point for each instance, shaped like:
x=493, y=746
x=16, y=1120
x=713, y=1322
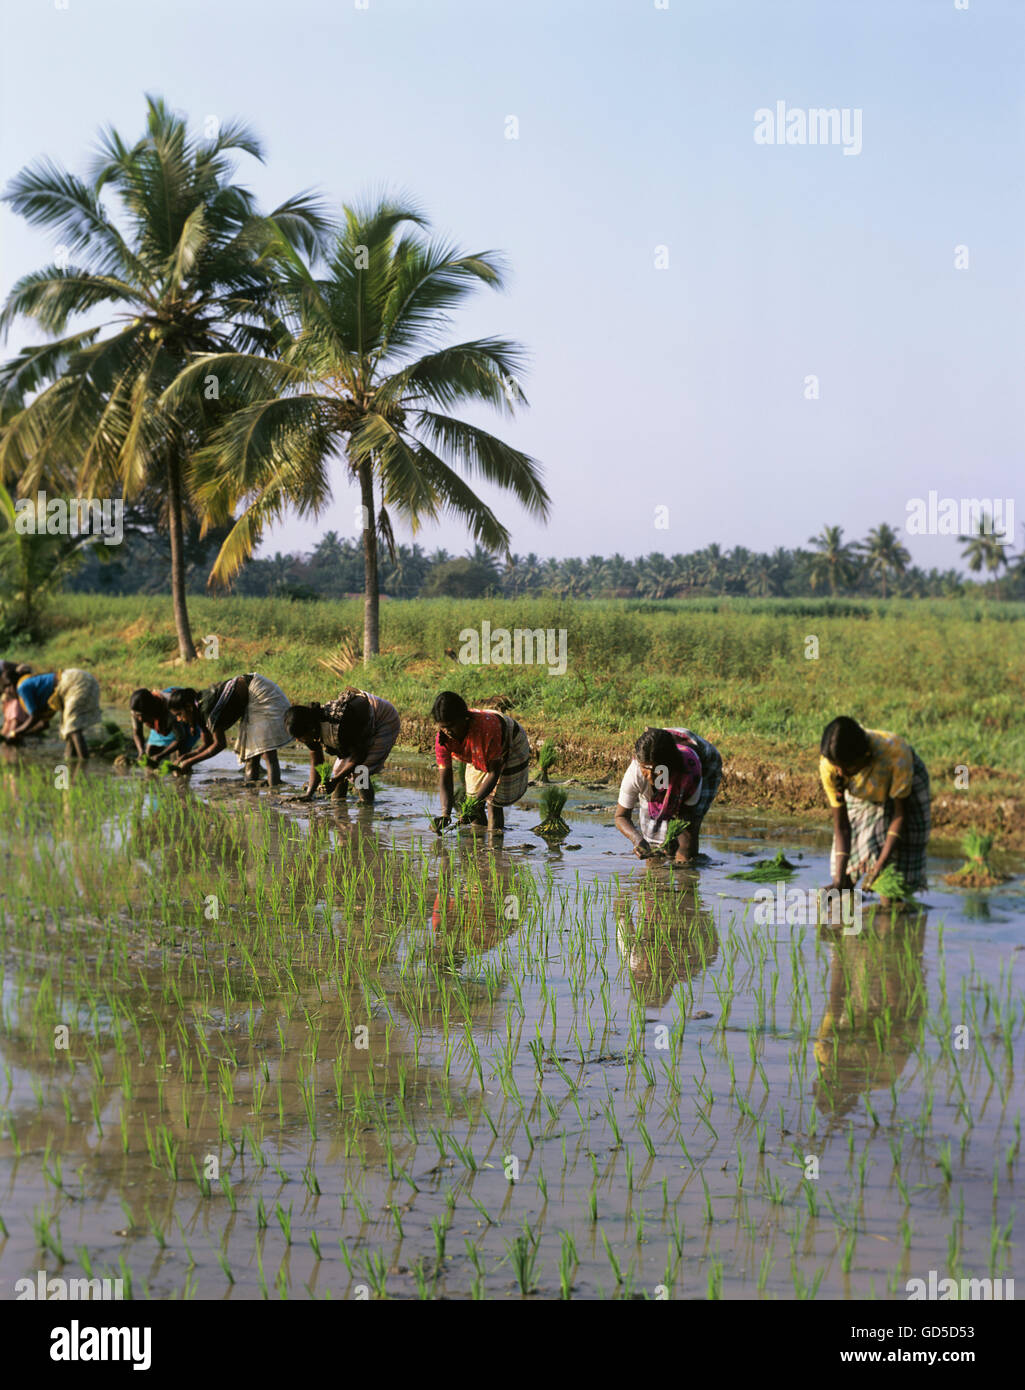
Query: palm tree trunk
x=371, y=597
x=186, y=646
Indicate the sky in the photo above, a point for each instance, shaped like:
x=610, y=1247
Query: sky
x=730, y=341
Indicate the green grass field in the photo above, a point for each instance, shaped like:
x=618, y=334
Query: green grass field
x=948, y=675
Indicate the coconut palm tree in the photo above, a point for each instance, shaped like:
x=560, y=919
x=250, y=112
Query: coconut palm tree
x=598, y=575
x=713, y=565
x=366, y=381
x=762, y=579
x=884, y=555
x=982, y=550
x=684, y=574
x=834, y=559
x=184, y=267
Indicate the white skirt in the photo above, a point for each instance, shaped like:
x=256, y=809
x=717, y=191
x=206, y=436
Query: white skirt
x=263, y=725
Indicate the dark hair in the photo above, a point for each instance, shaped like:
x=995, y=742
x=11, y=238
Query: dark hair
x=182, y=699
x=844, y=741
x=303, y=722
x=145, y=704
x=449, y=708
x=657, y=748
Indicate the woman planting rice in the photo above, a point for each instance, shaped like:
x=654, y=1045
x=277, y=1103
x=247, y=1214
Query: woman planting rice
x=169, y=737
x=253, y=702
x=673, y=778
x=74, y=694
x=878, y=789
x=493, y=747
x=358, y=730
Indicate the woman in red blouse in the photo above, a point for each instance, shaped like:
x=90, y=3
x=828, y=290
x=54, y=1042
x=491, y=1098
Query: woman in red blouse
x=493, y=747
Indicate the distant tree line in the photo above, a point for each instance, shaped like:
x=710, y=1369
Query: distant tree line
x=878, y=566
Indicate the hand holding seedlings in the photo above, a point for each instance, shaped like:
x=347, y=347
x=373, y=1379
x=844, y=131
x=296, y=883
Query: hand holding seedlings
x=471, y=812
x=888, y=882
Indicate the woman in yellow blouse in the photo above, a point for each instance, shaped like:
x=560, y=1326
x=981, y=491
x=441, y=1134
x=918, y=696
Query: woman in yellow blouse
x=878, y=789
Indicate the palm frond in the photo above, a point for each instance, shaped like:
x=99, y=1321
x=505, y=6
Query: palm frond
x=53, y=295
x=491, y=458
x=483, y=370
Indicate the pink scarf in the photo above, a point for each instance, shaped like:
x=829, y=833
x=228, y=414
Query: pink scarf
x=682, y=785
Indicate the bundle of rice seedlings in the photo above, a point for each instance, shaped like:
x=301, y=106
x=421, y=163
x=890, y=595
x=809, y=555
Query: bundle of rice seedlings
x=767, y=870
x=545, y=760
x=471, y=808
x=552, y=826
x=324, y=773
x=674, y=829
x=890, y=884
x=976, y=871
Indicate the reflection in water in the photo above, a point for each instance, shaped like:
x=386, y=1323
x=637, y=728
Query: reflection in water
x=664, y=933
x=872, y=1020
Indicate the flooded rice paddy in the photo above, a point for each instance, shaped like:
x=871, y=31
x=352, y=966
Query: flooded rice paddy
x=257, y=1048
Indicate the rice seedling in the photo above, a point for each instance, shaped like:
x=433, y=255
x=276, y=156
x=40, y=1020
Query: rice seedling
x=439, y=1229
x=522, y=1255
x=944, y=1163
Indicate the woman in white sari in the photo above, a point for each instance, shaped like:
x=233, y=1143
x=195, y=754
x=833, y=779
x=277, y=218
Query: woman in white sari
x=255, y=704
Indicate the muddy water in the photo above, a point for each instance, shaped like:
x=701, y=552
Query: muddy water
x=393, y=1064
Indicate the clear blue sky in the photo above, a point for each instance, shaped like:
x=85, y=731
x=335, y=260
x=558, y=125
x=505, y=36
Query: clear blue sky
x=681, y=387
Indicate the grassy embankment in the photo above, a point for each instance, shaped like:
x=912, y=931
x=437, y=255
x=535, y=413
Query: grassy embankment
x=948, y=675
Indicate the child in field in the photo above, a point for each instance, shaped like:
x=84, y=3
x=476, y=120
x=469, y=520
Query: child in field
x=674, y=775
x=169, y=738
x=495, y=750
x=358, y=730
x=253, y=702
x=878, y=789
